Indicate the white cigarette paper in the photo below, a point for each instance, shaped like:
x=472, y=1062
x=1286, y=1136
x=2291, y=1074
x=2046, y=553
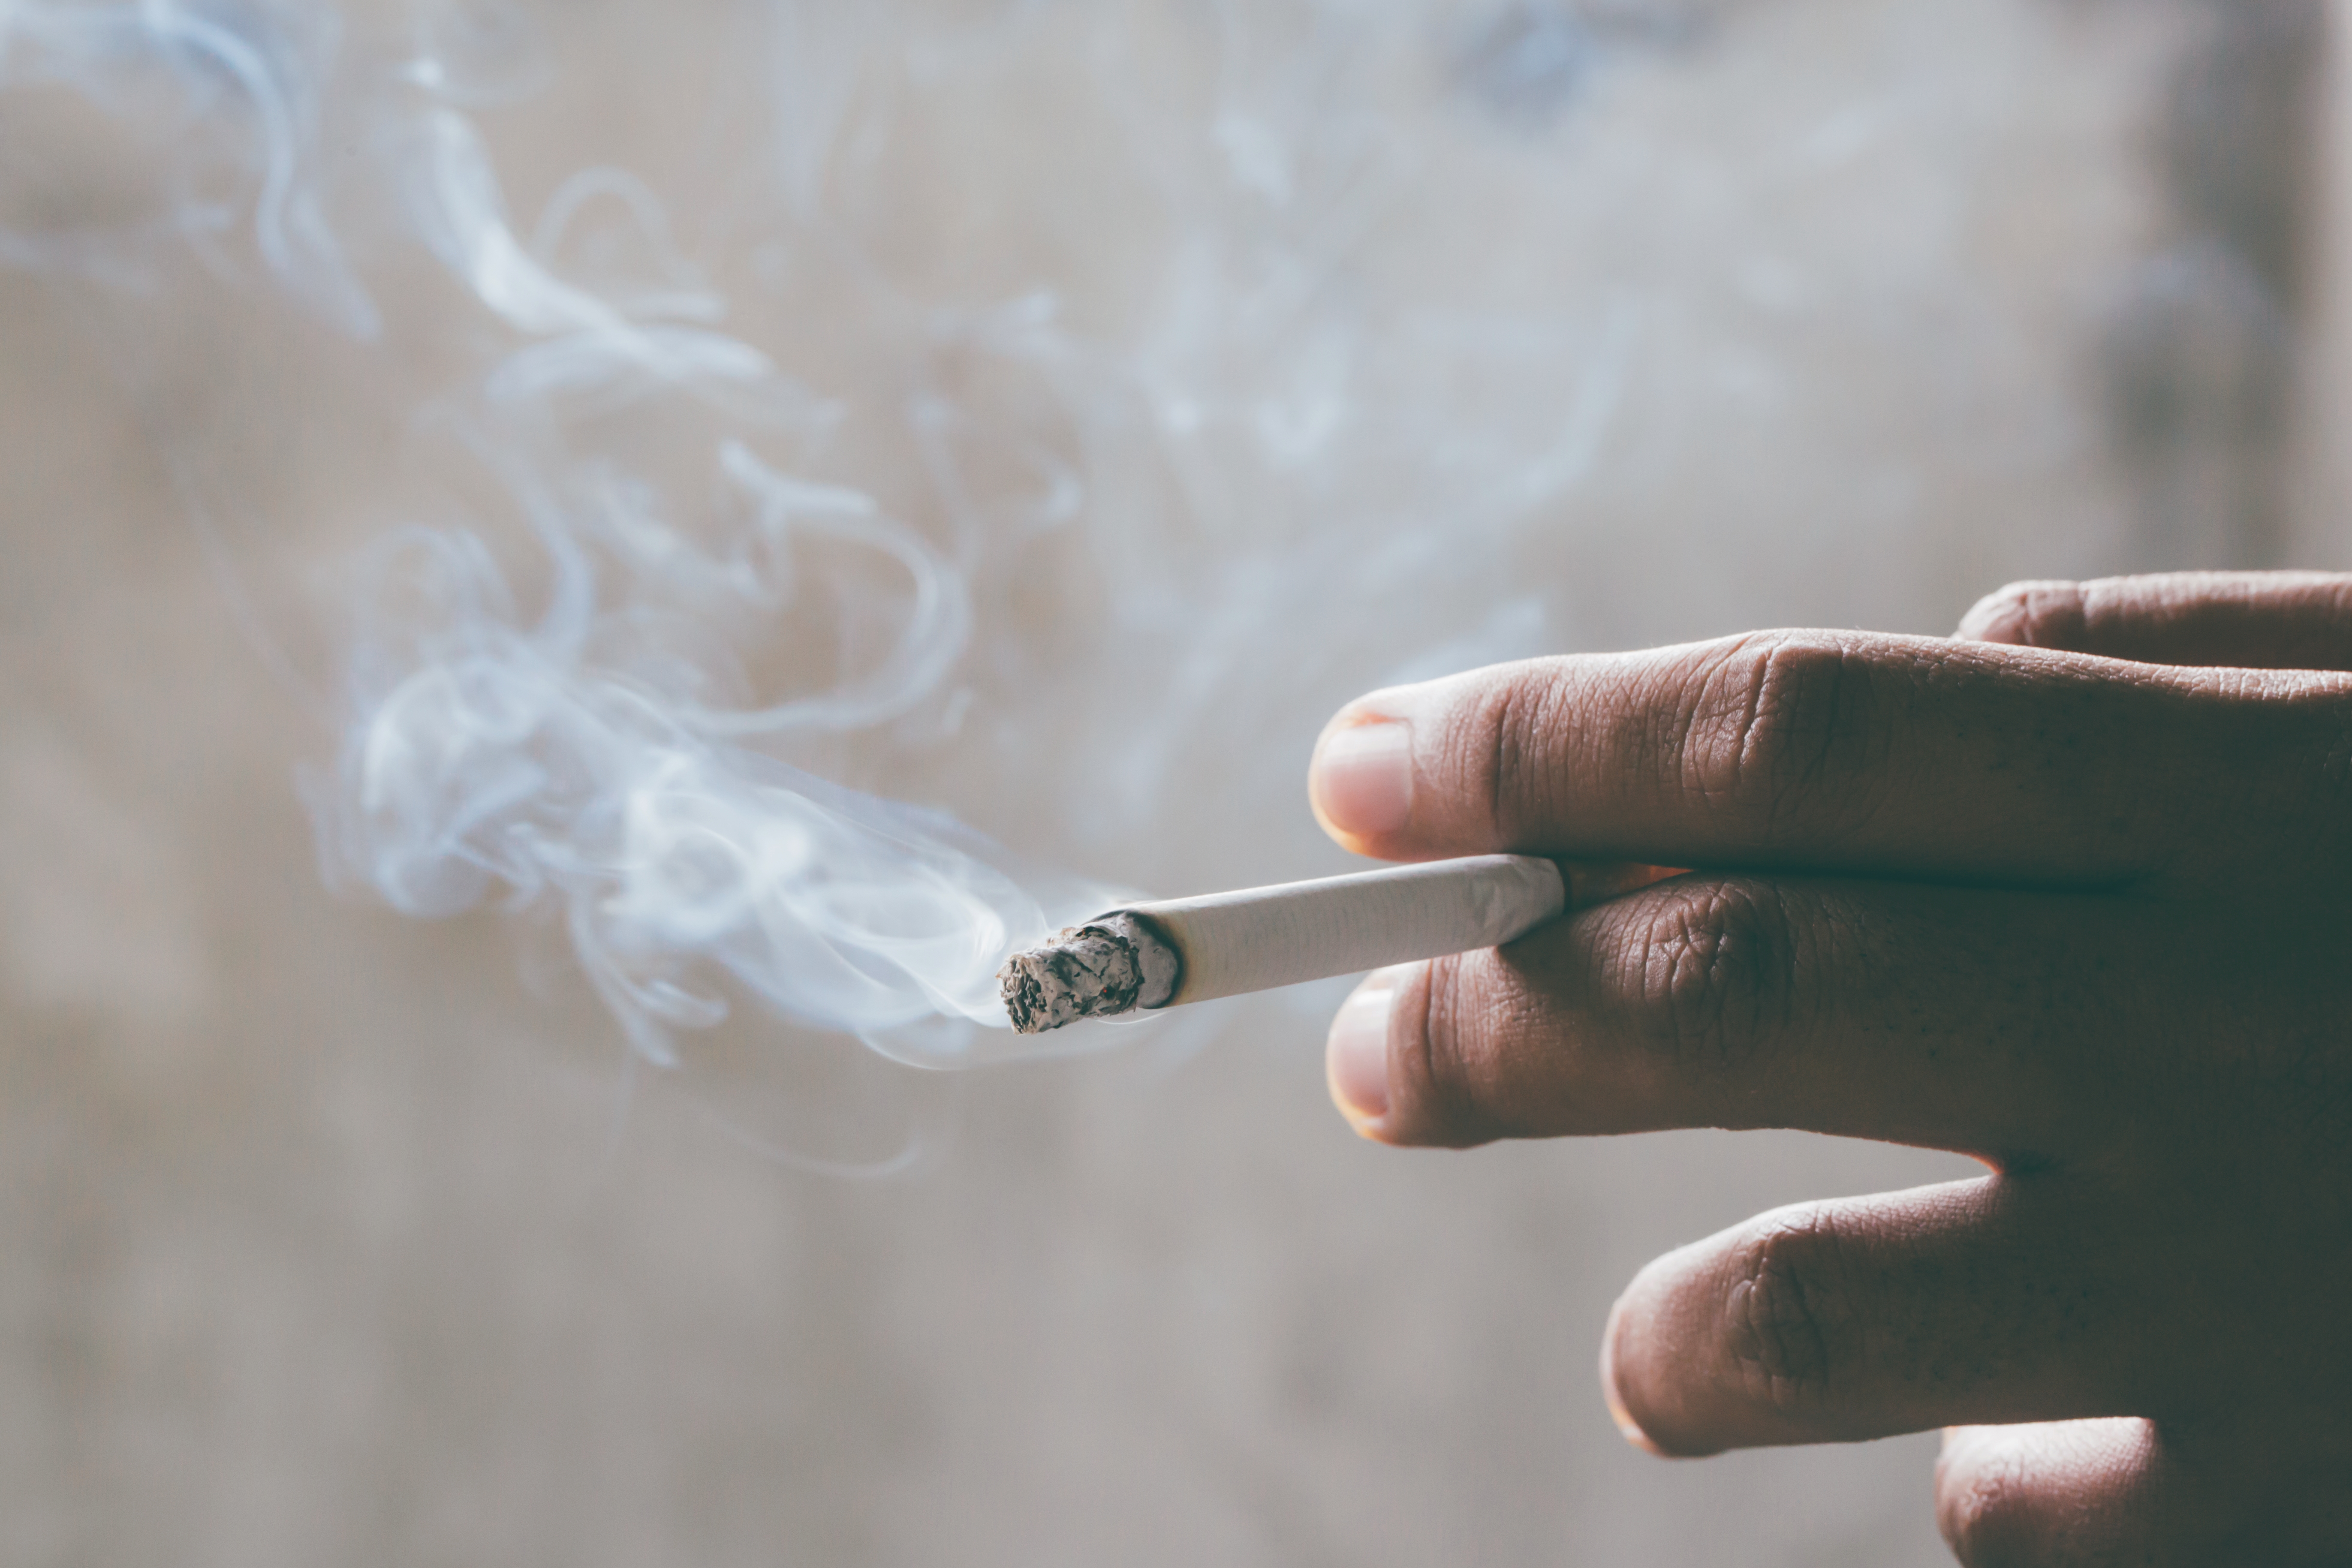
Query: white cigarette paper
x=1224, y=944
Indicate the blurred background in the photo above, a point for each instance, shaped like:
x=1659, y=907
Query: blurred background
x=1225, y=358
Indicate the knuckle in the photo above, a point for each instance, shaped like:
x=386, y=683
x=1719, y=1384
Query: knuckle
x=1791, y=1336
x=1713, y=969
x=1785, y=733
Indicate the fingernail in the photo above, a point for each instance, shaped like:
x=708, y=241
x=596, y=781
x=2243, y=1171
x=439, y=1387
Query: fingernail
x=1363, y=777
x=1355, y=1057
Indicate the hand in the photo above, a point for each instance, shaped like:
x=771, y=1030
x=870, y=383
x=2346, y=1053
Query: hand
x=2071, y=894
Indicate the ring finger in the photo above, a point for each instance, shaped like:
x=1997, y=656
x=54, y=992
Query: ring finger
x=1990, y=1300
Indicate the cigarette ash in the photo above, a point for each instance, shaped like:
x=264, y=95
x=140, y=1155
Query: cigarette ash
x=1094, y=970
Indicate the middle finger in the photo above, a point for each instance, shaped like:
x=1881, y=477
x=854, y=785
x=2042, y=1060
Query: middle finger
x=1973, y=1020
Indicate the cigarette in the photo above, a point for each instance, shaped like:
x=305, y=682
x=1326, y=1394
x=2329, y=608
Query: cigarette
x=1149, y=956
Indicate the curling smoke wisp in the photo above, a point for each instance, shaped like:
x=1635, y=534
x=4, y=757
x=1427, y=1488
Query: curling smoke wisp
x=577, y=754
x=1041, y=410
x=581, y=756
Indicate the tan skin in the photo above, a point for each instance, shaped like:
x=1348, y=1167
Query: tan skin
x=2071, y=893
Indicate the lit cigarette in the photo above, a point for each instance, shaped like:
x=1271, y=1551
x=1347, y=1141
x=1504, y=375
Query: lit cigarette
x=1222, y=945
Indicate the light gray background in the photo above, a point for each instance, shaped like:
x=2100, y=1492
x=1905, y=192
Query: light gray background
x=327, y=1236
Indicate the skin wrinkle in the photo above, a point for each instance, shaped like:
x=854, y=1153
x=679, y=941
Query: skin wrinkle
x=1495, y=715
x=1714, y=970
x=1513, y=1031
x=1726, y=956
x=1435, y=1050
x=1781, y=1340
x=1798, y=734
x=1698, y=759
x=1499, y=1025
x=1559, y=711
x=2043, y=615
x=1823, y=719
x=1504, y=753
x=1444, y=1070
x=1735, y=787
x=1815, y=955
x=1466, y=1040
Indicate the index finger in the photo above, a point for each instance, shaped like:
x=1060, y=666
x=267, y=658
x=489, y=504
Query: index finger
x=1879, y=755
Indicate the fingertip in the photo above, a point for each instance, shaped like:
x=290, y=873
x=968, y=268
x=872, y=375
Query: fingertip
x=1412, y=771
x=1360, y=781
x=1627, y=1427
x=2040, y=614
x=1355, y=1053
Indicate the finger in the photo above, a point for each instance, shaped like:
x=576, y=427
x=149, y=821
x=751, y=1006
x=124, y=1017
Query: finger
x=2068, y=1494
x=2164, y=1493
x=1977, y=1301
x=1964, y=1019
x=2252, y=620
x=1909, y=756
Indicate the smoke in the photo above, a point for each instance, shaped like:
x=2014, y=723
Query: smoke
x=1041, y=411
x=585, y=757
x=228, y=115
x=582, y=755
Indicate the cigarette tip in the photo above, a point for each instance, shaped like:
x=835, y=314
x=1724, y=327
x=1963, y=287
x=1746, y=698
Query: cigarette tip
x=1085, y=972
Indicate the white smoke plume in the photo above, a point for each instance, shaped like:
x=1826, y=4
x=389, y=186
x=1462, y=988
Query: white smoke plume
x=587, y=754
x=809, y=488
x=581, y=753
